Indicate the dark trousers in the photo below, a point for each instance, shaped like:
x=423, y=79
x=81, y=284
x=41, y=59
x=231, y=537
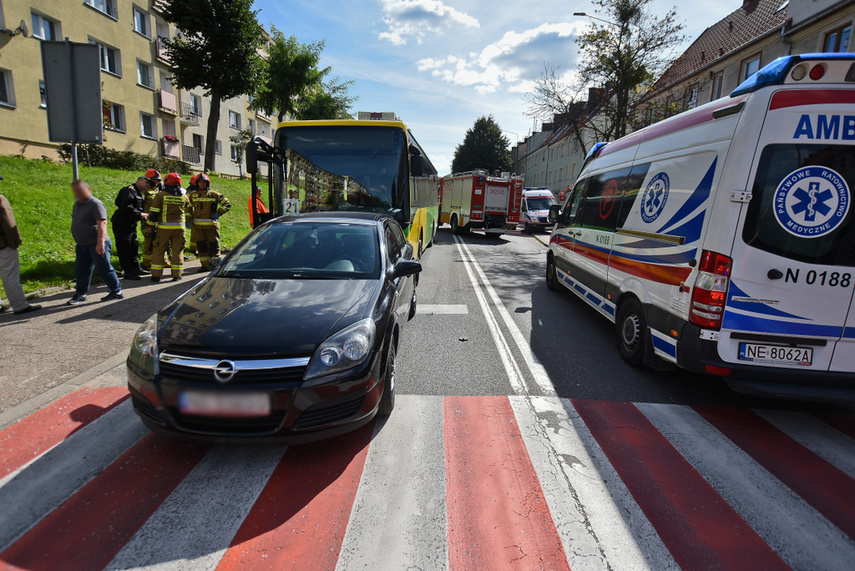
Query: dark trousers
x=86, y=260
x=127, y=245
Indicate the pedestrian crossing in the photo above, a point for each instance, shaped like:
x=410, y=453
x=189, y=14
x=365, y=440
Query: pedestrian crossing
x=494, y=482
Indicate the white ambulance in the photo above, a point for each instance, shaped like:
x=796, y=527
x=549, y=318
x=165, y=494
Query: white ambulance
x=722, y=240
x=534, y=209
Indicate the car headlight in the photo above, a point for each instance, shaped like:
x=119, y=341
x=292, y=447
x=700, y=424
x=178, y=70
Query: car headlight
x=344, y=350
x=144, y=352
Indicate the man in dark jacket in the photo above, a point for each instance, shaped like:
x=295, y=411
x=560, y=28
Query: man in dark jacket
x=10, y=241
x=130, y=211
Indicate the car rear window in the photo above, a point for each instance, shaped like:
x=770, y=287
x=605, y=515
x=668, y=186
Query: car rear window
x=800, y=204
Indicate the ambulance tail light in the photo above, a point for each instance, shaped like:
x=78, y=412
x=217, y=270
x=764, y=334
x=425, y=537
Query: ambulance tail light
x=710, y=292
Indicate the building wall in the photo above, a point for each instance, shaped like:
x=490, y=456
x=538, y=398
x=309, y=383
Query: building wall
x=23, y=126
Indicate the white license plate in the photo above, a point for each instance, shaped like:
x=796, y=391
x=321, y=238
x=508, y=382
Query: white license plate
x=224, y=404
x=775, y=354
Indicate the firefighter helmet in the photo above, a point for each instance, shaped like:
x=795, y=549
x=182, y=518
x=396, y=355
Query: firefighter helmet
x=202, y=176
x=172, y=179
x=152, y=175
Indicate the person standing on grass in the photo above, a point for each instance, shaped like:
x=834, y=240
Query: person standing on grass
x=129, y=212
x=92, y=245
x=10, y=262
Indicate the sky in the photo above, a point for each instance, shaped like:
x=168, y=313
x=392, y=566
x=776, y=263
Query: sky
x=441, y=64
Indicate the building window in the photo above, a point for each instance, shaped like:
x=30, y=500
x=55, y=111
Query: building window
x=111, y=61
x=250, y=98
x=7, y=92
x=195, y=105
x=105, y=6
x=148, y=127
x=42, y=95
x=234, y=120
x=838, y=40
x=717, y=82
x=690, y=100
x=750, y=67
x=235, y=153
x=142, y=23
x=144, y=75
x=197, y=142
x=250, y=125
x=218, y=148
x=44, y=28
x=114, y=116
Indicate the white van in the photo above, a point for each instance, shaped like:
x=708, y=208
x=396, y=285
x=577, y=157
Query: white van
x=534, y=209
x=722, y=240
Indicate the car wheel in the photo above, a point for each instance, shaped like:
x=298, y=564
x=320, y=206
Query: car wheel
x=387, y=401
x=551, y=273
x=413, y=304
x=631, y=330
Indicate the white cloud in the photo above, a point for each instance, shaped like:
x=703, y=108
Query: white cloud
x=415, y=19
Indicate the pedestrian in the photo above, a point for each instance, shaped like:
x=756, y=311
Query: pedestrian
x=148, y=232
x=169, y=211
x=92, y=244
x=130, y=211
x=207, y=207
x=10, y=261
x=259, y=205
x=192, y=190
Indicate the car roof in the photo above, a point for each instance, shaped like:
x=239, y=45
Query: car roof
x=336, y=217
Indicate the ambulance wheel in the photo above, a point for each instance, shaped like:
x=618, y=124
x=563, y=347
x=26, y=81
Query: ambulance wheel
x=631, y=330
x=551, y=273
x=387, y=401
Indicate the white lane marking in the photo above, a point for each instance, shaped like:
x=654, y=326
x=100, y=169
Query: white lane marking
x=443, y=310
x=791, y=527
x=195, y=525
x=515, y=376
x=43, y=485
x=599, y=522
x=398, y=520
x=832, y=446
x=541, y=377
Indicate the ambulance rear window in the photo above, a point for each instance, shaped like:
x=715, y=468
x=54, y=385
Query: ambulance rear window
x=801, y=205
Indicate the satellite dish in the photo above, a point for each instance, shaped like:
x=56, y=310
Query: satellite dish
x=23, y=29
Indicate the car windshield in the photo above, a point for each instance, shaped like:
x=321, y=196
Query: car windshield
x=540, y=203
x=343, y=168
x=307, y=250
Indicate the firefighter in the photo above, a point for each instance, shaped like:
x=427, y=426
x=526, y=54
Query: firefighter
x=168, y=215
x=208, y=206
x=192, y=190
x=129, y=211
x=148, y=230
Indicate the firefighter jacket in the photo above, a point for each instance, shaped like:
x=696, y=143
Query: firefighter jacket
x=148, y=198
x=169, y=208
x=130, y=204
x=206, y=204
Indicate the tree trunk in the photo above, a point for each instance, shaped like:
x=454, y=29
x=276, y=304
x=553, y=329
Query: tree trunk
x=213, y=128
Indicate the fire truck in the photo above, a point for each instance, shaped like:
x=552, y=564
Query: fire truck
x=476, y=201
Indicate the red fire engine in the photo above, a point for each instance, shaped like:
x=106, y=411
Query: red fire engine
x=476, y=201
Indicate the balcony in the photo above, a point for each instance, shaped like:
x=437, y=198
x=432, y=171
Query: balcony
x=168, y=102
x=189, y=115
x=262, y=115
x=192, y=155
x=171, y=147
x=160, y=5
x=160, y=48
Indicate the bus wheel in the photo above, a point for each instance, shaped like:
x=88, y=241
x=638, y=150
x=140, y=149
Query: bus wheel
x=631, y=330
x=455, y=229
x=551, y=274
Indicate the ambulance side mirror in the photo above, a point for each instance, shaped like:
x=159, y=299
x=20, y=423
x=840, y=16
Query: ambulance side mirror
x=554, y=213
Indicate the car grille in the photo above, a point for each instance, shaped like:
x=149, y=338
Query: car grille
x=146, y=409
x=220, y=425
x=206, y=375
x=318, y=416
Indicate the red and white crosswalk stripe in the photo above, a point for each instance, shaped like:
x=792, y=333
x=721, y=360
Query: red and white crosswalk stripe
x=445, y=483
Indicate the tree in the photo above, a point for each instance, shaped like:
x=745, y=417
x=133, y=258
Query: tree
x=621, y=54
x=239, y=140
x=483, y=147
x=332, y=100
x=217, y=50
x=293, y=73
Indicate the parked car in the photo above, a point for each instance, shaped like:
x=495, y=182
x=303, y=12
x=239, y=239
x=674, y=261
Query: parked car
x=292, y=338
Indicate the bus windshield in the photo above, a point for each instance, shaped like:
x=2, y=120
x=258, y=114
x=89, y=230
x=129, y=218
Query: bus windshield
x=324, y=168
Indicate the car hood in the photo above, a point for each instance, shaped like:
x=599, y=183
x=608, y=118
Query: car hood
x=230, y=317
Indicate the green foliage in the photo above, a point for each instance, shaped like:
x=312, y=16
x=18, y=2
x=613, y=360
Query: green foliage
x=331, y=101
x=484, y=147
x=101, y=156
x=217, y=50
x=240, y=139
x=40, y=194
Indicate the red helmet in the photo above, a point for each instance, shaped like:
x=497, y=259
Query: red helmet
x=172, y=179
x=202, y=176
x=193, y=179
x=152, y=175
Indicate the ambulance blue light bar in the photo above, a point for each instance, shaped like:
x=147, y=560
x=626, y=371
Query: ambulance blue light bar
x=776, y=72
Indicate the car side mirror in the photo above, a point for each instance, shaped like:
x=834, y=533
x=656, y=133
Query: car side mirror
x=406, y=268
x=554, y=213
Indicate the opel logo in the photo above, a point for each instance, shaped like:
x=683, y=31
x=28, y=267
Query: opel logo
x=225, y=371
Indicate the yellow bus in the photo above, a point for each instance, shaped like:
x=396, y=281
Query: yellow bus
x=345, y=165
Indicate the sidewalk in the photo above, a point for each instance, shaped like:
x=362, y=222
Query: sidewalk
x=47, y=354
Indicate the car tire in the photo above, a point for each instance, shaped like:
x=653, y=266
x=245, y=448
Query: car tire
x=631, y=332
x=387, y=401
x=551, y=273
x=413, y=303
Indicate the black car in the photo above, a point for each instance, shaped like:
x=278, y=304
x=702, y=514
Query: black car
x=292, y=338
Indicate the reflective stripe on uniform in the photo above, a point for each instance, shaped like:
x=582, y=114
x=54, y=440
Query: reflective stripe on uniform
x=171, y=225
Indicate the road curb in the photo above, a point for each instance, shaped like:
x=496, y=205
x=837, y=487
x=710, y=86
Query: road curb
x=539, y=239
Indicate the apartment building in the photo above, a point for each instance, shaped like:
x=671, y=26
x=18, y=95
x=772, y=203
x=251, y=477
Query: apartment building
x=143, y=111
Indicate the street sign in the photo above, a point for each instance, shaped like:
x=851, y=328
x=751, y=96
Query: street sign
x=72, y=75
